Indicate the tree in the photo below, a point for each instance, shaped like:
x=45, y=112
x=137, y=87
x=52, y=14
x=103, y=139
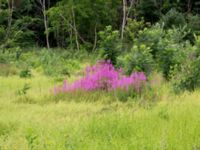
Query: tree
x=43, y=5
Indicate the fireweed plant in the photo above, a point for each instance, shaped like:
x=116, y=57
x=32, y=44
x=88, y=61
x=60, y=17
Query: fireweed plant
x=103, y=76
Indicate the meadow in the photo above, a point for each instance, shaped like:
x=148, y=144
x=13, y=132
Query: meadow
x=33, y=118
x=99, y=75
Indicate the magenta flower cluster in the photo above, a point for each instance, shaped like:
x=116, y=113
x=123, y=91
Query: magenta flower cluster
x=103, y=76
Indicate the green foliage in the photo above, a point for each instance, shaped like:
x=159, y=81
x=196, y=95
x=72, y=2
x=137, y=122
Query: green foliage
x=139, y=59
x=109, y=44
x=150, y=37
x=2, y=34
x=173, y=18
x=54, y=64
x=194, y=23
x=167, y=46
x=26, y=73
x=69, y=18
x=187, y=76
x=31, y=138
x=149, y=10
x=24, y=90
x=132, y=29
x=171, y=50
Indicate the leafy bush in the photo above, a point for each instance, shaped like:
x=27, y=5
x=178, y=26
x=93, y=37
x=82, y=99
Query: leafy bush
x=187, y=76
x=194, y=23
x=151, y=37
x=26, y=73
x=109, y=44
x=166, y=46
x=139, y=59
x=156, y=48
x=132, y=29
x=173, y=18
x=6, y=57
x=170, y=50
x=3, y=59
x=55, y=64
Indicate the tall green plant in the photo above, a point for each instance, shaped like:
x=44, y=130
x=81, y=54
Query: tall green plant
x=139, y=59
x=109, y=44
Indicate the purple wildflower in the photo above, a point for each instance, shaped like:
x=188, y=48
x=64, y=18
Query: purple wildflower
x=103, y=76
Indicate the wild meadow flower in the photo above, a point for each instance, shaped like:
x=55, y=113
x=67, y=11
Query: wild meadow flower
x=103, y=76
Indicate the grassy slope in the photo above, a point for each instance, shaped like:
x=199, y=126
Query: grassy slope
x=77, y=126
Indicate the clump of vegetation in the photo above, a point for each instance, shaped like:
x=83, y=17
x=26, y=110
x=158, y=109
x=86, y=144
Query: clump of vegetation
x=103, y=76
x=26, y=73
x=109, y=44
x=24, y=90
x=139, y=59
x=23, y=94
x=187, y=75
x=173, y=18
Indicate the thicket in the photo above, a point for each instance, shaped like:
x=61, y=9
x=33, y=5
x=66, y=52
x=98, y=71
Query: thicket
x=144, y=35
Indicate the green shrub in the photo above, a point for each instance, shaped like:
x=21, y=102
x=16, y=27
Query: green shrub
x=162, y=50
x=3, y=59
x=139, y=59
x=194, y=26
x=151, y=37
x=194, y=23
x=26, y=73
x=6, y=57
x=173, y=18
x=109, y=44
x=132, y=29
x=187, y=76
x=170, y=50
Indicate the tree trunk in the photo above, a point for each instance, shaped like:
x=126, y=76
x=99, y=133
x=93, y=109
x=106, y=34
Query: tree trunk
x=76, y=32
x=124, y=18
x=45, y=19
x=95, y=38
x=46, y=31
x=189, y=6
x=10, y=17
x=132, y=3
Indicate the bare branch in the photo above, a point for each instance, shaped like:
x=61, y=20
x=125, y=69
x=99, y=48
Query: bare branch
x=73, y=28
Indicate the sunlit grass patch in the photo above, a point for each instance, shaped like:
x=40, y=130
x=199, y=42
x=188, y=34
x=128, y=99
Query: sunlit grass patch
x=95, y=120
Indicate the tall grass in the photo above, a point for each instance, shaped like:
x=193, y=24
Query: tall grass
x=173, y=123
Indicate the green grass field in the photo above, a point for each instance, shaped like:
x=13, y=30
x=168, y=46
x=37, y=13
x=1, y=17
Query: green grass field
x=35, y=122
